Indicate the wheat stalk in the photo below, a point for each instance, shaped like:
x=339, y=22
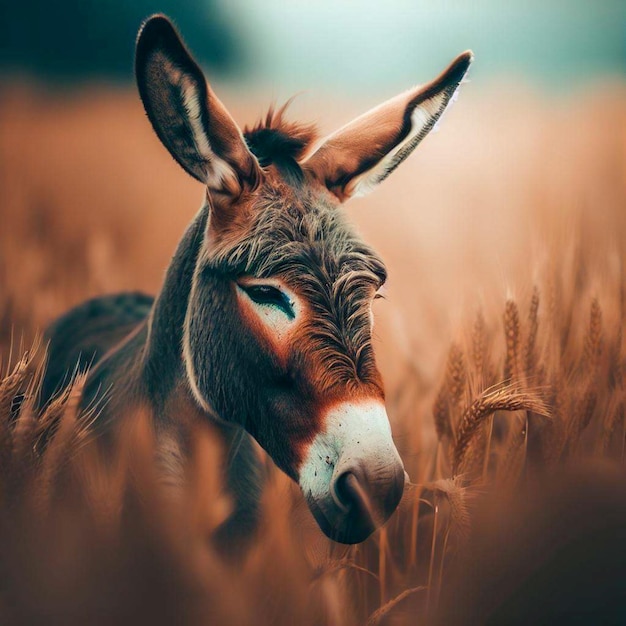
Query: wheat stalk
x=10, y=386
x=615, y=416
x=616, y=366
x=512, y=337
x=441, y=414
x=513, y=461
x=376, y=617
x=502, y=398
x=531, y=338
x=338, y=565
x=450, y=393
x=479, y=344
x=24, y=461
x=474, y=460
x=56, y=437
x=456, y=374
x=594, y=337
x=457, y=496
x=555, y=438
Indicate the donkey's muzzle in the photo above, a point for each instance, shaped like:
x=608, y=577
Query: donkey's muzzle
x=353, y=477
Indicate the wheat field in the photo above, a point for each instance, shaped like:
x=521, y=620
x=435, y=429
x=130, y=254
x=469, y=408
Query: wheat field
x=500, y=341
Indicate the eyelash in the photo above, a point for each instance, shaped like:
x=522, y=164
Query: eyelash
x=267, y=295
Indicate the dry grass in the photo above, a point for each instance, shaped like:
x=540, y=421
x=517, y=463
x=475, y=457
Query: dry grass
x=501, y=344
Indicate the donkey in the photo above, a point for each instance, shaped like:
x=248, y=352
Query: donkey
x=263, y=325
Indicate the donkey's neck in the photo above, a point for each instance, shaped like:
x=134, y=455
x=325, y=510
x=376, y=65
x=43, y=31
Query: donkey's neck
x=163, y=366
x=147, y=371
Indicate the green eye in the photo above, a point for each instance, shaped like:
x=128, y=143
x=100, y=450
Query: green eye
x=267, y=295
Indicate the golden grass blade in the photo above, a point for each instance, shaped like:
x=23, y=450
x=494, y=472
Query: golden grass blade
x=479, y=345
x=61, y=423
x=377, y=616
x=11, y=385
x=615, y=417
x=594, y=338
x=334, y=566
x=456, y=375
x=441, y=415
x=450, y=394
x=514, y=457
x=512, y=336
x=458, y=497
x=503, y=398
x=25, y=462
x=531, y=337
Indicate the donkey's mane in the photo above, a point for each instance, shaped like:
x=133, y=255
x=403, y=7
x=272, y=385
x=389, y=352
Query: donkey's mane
x=276, y=141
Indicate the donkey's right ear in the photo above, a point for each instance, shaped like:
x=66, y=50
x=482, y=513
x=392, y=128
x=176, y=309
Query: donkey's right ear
x=186, y=115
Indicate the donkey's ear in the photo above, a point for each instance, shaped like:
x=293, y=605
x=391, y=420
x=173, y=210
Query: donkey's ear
x=191, y=122
x=357, y=157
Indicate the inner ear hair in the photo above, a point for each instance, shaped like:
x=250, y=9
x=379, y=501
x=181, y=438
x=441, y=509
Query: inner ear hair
x=188, y=118
x=359, y=156
x=174, y=94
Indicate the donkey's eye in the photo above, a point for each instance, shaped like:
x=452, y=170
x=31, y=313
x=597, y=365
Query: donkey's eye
x=381, y=293
x=266, y=295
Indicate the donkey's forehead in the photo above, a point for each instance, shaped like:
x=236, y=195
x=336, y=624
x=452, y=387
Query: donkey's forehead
x=301, y=230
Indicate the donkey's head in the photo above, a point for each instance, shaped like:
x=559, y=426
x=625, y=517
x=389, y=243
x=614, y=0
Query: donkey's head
x=278, y=328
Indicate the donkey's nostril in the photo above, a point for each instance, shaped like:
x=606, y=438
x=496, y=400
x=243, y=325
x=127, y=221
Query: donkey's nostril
x=351, y=491
x=371, y=500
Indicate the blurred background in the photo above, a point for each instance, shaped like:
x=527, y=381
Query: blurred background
x=346, y=44
x=533, y=152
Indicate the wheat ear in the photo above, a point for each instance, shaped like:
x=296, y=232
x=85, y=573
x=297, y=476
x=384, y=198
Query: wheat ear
x=531, y=339
x=502, y=398
x=512, y=336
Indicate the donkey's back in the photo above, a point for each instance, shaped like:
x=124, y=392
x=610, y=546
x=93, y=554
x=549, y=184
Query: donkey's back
x=82, y=336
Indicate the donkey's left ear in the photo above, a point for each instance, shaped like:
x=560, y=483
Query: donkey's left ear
x=357, y=157
x=186, y=115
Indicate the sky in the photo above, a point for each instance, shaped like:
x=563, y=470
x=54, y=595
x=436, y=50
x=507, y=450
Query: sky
x=342, y=43
x=348, y=42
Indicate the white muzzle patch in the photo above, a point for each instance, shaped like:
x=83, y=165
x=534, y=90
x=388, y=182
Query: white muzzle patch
x=354, y=433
